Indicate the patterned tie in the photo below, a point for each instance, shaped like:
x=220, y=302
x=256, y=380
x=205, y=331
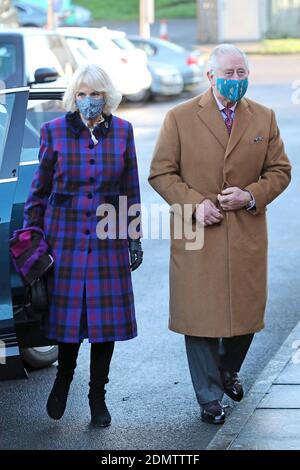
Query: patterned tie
x=229, y=119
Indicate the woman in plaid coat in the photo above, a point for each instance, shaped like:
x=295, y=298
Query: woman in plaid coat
x=87, y=161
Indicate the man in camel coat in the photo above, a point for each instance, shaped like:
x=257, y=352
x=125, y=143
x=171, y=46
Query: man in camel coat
x=221, y=154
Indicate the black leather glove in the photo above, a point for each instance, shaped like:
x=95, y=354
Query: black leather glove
x=136, y=253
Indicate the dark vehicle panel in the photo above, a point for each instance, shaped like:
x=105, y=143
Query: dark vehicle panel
x=21, y=336
x=12, y=103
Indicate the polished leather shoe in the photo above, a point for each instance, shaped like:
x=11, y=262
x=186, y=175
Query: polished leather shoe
x=212, y=413
x=232, y=385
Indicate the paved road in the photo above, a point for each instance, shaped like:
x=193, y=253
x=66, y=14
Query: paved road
x=150, y=394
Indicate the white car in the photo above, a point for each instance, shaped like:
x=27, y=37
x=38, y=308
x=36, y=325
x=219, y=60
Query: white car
x=128, y=70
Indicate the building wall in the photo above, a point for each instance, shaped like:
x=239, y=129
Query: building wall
x=283, y=18
x=247, y=20
x=240, y=21
x=208, y=27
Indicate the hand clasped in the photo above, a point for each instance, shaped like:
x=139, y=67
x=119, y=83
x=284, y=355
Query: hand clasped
x=232, y=199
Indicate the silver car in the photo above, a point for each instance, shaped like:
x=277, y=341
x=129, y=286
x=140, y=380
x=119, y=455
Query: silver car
x=189, y=63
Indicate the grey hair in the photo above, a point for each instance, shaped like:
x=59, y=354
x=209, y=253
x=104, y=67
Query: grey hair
x=223, y=49
x=97, y=79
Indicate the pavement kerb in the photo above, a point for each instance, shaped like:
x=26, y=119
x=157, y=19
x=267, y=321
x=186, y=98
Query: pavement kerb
x=243, y=411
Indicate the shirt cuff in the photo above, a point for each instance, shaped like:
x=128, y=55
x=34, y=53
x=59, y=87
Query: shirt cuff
x=251, y=204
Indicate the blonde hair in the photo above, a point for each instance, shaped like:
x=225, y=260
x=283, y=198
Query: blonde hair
x=97, y=79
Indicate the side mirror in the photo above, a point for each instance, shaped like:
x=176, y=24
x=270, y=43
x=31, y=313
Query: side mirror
x=45, y=75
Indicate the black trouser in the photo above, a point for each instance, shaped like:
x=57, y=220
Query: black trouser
x=207, y=355
x=100, y=358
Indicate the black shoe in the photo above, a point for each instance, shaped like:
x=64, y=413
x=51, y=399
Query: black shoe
x=100, y=416
x=232, y=385
x=57, y=400
x=212, y=413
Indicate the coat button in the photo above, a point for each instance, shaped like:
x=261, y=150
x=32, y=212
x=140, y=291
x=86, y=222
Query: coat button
x=87, y=232
x=88, y=213
x=91, y=179
x=92, y=161
x=89, y=250
x=90, y=196
x=91, y=146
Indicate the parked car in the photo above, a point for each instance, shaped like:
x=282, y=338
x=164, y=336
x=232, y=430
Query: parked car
x=166, y=79
x=189, y=63
x=8, y=15
x=22, y=341
x=32, y=56
x=79, y=16
x=129, y=72
x=30, y=15
x=66, y=13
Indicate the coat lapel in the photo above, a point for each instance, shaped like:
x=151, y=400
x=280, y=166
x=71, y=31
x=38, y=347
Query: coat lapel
x=241, y=122
x=212, y=118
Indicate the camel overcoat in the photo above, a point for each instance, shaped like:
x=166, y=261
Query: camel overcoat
x=219, y=290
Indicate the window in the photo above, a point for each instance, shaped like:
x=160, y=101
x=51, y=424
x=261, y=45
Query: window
x=6, y=106
x=123, y=43
x=146, y=47
x=38, y=112
x=48, y=51
x=8, y=60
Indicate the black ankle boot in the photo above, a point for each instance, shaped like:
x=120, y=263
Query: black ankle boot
x=57, y=400
x=100, y=415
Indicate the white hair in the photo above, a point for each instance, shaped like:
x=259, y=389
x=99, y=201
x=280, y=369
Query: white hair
x=223, y=49
x=97, y=79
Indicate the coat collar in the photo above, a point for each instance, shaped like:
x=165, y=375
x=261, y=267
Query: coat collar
x=77, y=126
x=212, y=118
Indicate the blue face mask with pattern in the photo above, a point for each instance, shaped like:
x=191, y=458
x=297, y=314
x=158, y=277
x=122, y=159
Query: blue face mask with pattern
x=233, y=90
x=90, y=107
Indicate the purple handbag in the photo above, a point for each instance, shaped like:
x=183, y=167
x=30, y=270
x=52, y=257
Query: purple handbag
x=30, y=253
x=31, y=259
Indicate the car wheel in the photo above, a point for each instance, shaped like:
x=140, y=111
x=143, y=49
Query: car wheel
x=37, y=358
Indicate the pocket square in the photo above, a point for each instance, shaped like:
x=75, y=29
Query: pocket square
x=259, y=138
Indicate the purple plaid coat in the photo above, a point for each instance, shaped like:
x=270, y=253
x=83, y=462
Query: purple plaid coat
x=73, y=177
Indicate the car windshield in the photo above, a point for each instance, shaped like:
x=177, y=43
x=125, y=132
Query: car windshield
x=171, y=45
x=123, y=43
